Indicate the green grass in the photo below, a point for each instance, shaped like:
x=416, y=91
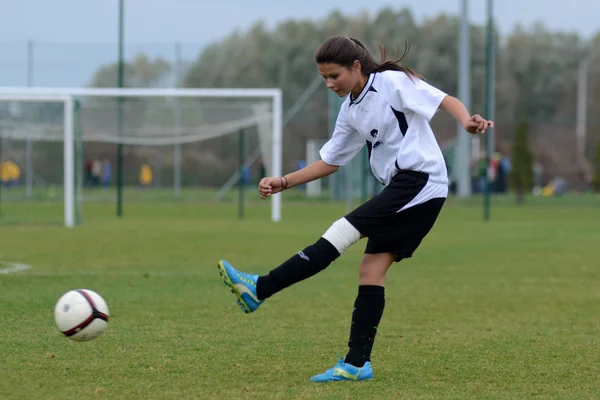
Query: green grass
x=507, y=309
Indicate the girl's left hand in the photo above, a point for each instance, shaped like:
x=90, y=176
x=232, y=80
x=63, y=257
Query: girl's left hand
x=476, y=124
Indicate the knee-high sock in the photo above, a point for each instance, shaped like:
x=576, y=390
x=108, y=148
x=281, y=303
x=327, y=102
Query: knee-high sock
x=368, y=309
x=308, y=262
x=302, y=265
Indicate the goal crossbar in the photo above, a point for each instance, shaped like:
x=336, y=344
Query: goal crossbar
x=139, y=92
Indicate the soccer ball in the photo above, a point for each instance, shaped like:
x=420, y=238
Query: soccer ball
x=81, y=315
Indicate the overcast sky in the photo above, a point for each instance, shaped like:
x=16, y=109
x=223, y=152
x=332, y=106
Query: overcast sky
x=197, y=22
x=202, y=20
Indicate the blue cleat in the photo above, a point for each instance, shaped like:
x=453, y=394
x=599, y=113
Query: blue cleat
x=345, y=372
x=243, y=285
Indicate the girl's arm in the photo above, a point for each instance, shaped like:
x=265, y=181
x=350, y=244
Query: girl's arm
x=312, y=172
x=472, y=124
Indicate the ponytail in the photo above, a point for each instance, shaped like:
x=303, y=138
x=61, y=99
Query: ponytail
x=344, y=51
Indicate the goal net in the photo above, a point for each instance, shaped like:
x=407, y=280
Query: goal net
x=61, y=148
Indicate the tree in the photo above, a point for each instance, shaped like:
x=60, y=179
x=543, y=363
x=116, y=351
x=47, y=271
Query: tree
x=596, y=165
x=101, y=114
x=141, y=72
x=521, y=173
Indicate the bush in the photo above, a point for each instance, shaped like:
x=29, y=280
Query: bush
x=596, y=166
x=521, y=173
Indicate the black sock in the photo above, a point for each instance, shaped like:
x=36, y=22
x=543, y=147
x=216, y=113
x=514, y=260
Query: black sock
x=368, y=309
x=302, y=265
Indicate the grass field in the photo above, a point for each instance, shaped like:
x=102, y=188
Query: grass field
x=505, y=309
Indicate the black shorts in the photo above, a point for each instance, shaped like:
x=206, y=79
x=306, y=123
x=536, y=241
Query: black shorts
x=392, y=231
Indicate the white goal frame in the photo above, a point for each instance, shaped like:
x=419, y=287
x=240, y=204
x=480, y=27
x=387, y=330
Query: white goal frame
x=69, y=95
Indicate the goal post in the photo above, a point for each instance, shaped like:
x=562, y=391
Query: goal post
x=69, y=178
x=148, y=131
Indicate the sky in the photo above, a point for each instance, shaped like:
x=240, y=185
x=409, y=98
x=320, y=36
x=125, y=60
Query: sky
x=71, y=37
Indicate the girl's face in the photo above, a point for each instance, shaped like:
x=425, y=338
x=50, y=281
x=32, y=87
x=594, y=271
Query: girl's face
x=343, y=80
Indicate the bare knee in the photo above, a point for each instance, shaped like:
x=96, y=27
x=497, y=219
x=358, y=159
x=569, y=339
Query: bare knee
x=367, y=277
x=373, y=268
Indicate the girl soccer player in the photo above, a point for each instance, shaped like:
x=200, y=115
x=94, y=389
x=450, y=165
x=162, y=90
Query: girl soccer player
x=388, y=109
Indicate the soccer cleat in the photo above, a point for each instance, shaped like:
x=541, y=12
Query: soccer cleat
x=345, y=372
x=243, y=285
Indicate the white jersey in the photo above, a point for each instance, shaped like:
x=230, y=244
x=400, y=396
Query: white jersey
x=391, y=116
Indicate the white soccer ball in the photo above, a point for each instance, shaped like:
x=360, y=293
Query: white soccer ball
x=81, y=315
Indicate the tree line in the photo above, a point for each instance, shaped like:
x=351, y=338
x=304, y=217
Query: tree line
x=536, y=73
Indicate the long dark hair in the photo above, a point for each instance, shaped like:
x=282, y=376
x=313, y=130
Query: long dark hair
x=344, y=51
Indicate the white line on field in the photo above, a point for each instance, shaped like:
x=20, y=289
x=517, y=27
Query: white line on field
x=13, y=267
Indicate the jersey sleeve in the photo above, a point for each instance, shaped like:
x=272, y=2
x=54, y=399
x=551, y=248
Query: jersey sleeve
x=418, y=96
x=344, y=145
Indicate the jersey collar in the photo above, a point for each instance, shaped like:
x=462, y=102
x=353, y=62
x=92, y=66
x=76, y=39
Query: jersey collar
x=364, y=91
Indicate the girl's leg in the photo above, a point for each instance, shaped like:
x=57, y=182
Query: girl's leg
x=251, y=290
x=309, y=261
x=368, y=307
